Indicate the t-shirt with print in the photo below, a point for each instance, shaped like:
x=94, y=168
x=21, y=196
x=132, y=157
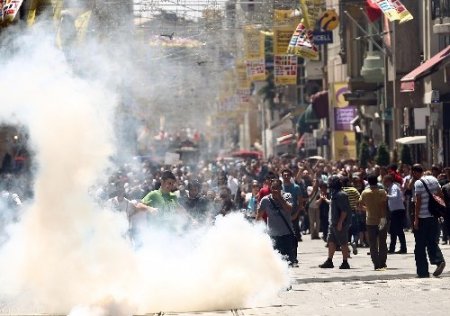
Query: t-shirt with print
x=419, y=189
x=276, y=225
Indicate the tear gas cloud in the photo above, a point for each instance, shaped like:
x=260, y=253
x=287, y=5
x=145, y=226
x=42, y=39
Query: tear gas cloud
x=68, y=254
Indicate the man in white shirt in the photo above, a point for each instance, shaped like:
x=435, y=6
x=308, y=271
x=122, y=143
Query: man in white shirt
x=426, y=226
x=397, y=214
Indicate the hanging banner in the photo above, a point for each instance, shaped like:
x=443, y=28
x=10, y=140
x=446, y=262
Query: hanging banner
x=243, y=96
x=394, y=10
x=285, y=69
x=302, y=41
x=256, y=69
x=281, y=39
x=10, y=9
x=243, y=81
x=284, y=18
x=312, y=9
x=344, y=144
x=253, y=43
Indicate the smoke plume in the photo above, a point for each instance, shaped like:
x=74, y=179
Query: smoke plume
x=67, y=254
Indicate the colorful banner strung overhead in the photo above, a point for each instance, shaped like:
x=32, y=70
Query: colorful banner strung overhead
x=9, y=9
x=302, y=41
x=394, y=10
x=254, y=54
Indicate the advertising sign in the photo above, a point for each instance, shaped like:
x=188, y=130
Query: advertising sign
x=339, y=89
x=344, y=145
x=253, y=43
x=256, y=69
x=281, y=39
x=343, y=118
x=322, y=37
x=285, y=69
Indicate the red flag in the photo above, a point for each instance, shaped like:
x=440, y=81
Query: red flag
x=373, y=11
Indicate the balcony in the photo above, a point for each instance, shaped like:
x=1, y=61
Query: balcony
x=440, y=13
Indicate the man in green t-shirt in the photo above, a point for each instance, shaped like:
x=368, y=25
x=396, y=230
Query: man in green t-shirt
x=161, y=201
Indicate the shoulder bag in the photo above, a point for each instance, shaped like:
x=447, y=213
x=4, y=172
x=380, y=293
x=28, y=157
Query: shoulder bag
x=294, y=239
x=436, y=204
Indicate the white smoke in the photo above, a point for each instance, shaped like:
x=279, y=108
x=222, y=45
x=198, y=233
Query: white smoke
x=67, y=254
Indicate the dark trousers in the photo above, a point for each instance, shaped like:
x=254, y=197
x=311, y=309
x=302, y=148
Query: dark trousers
x=378, y=246
x=396, y=230
x=297, y=230
x=427, y=241
x=324, y=223
x=285, y=246
x=446, y=227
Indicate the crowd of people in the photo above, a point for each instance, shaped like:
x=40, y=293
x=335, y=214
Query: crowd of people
x=347, y=206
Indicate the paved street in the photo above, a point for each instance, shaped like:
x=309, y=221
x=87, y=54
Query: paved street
x=359, y=291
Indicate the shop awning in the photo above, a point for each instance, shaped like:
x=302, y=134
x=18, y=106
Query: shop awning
x=286, y=139
x=306, y=120
x=425, y=69
x=411, y=140
x=320, y=105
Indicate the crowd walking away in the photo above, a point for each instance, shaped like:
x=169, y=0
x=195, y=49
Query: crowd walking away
x=339, y=205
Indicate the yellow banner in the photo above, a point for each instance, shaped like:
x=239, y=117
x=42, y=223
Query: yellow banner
x=281, y=39
x=285, y=69
x=339, y=89
x=243, y=96
x=243, y=81
x=344, y=145
x=284, y=17
x=311, y=10
x=227, y=85
x=253, y=43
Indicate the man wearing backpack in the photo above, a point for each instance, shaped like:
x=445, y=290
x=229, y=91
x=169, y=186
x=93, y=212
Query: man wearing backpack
x=426, y=226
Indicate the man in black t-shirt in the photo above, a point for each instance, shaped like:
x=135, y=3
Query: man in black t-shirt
x=195, y=204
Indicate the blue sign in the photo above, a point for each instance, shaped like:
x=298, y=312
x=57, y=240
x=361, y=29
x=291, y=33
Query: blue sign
x=322, y=37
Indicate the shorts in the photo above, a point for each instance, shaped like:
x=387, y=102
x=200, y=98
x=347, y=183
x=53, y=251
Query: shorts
x=338, y=238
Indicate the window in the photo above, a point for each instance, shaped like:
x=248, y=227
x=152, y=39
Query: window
x=444, y=41
x=440, y=9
